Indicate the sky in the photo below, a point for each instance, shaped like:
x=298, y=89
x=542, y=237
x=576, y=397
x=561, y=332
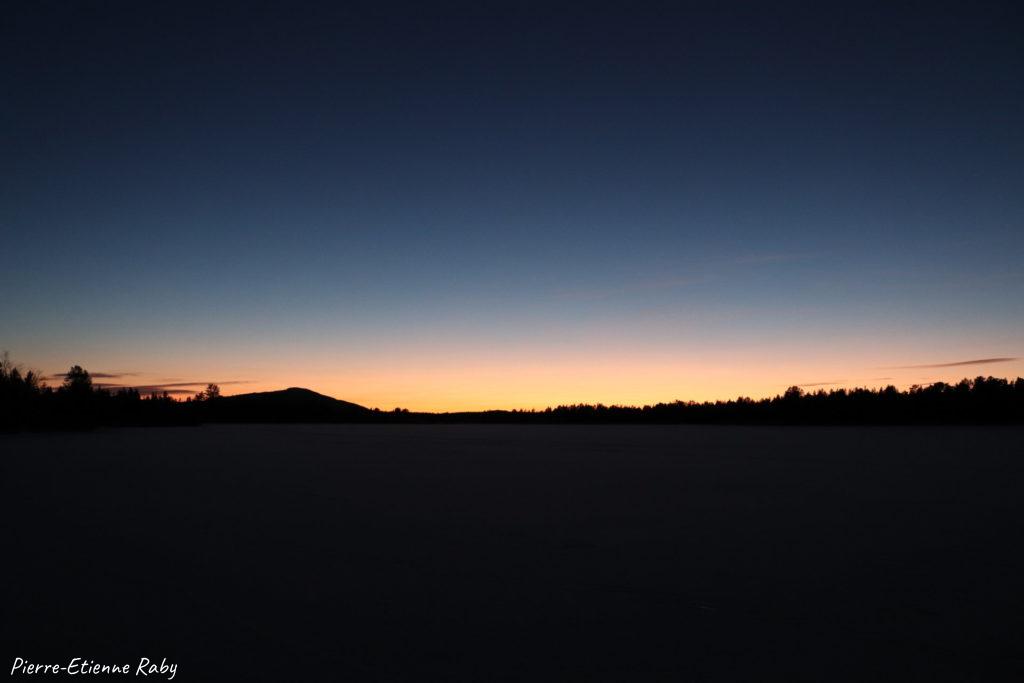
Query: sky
x=452, y=206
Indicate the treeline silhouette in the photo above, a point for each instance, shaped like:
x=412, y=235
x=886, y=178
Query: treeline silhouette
x=28, y=403
x=983, y=400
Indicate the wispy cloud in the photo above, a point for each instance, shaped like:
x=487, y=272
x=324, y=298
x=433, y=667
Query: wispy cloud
x=204, y=383
x=976, y=361
x=96, y=375
x=146, y=389
x=822, y=384
x=174, y=388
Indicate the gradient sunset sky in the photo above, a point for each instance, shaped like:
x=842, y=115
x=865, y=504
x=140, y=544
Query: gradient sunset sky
x=461, y=206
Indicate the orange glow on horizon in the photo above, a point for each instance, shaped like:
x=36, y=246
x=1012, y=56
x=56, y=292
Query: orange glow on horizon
x=450, y=379
x=540, y=388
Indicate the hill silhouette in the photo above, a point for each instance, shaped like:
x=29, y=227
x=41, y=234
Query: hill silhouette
x=286, y=405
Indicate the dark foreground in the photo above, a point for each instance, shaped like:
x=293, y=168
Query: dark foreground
x=480, y=553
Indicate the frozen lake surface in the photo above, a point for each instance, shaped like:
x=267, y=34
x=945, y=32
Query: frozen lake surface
x=483, y=553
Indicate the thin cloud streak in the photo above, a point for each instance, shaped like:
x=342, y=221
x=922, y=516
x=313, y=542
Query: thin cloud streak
x=977, y=361
x=147, y=390
x=203, y=383
x=169, y=387
x=822, y=384
x=100, y=375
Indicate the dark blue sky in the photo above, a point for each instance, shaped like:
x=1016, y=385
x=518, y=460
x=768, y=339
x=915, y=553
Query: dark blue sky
x=618, y=201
